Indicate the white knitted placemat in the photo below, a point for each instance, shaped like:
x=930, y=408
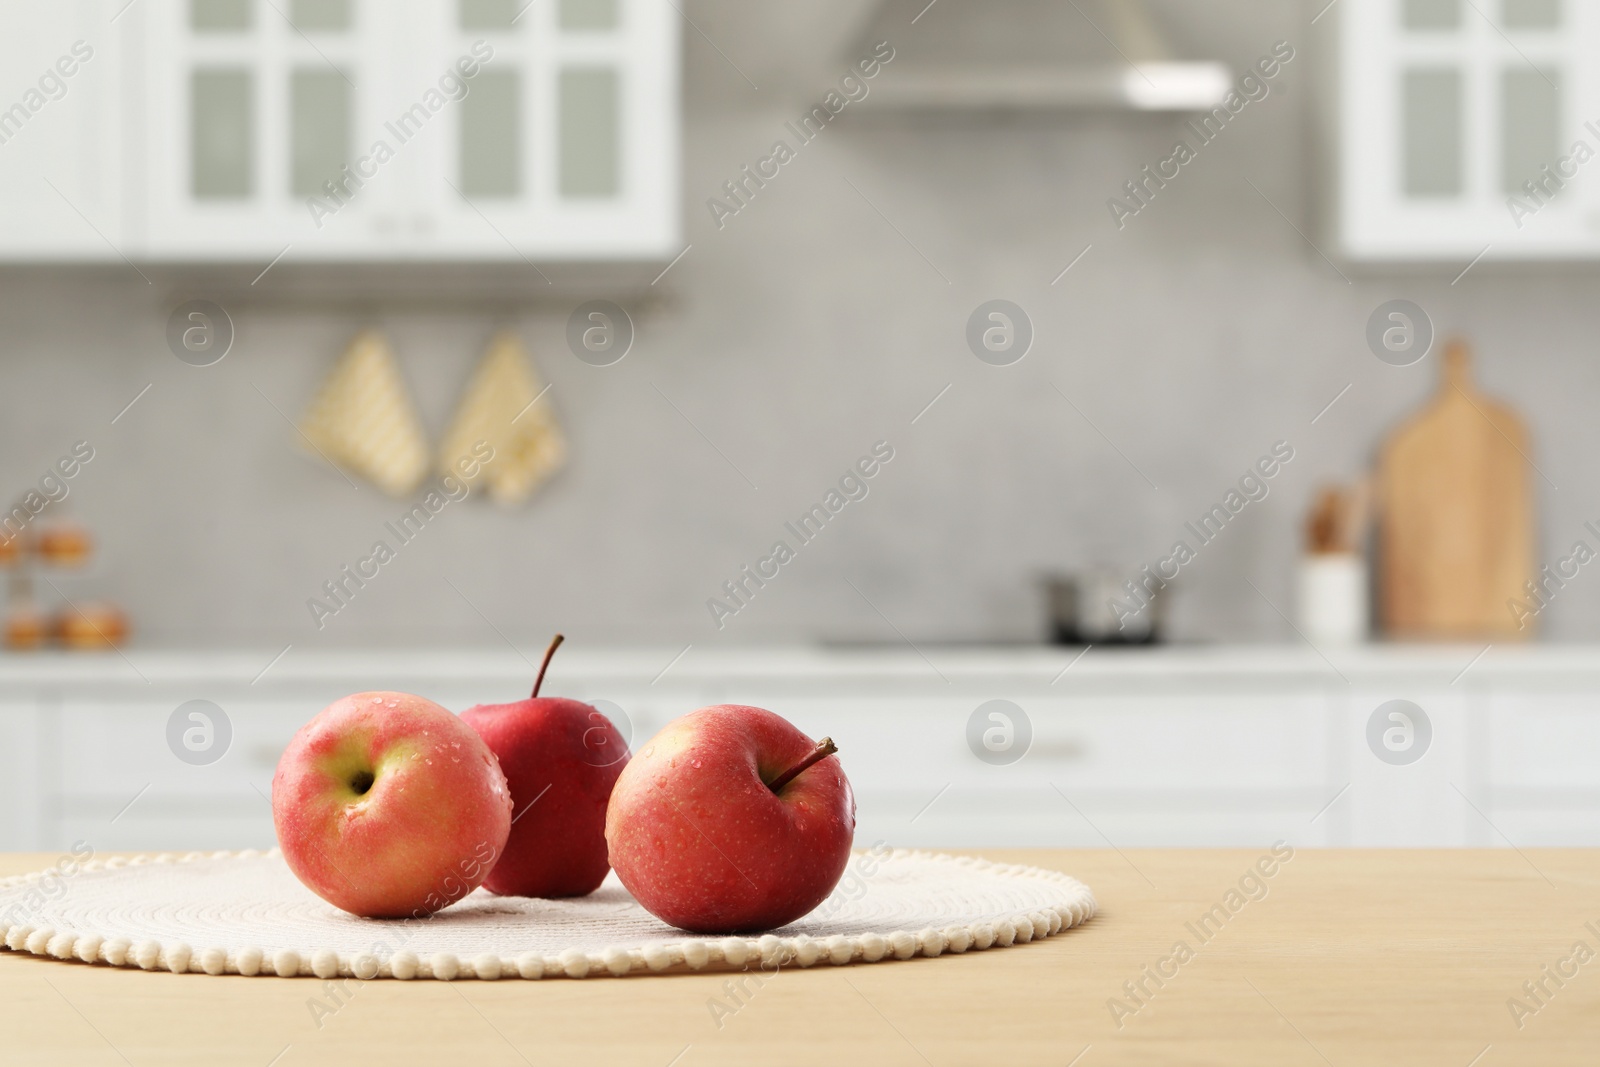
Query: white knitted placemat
x=245, y=913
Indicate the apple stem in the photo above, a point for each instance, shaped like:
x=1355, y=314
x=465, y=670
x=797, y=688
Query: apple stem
x=824, y=749
x=555, y=643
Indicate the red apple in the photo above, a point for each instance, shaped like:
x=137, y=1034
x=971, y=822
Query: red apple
x=387, y=805
x=561, y=758
x=731, y=820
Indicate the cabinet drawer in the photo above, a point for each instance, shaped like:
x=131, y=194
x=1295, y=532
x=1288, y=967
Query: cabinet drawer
x=108, y=749
x=1193, y=742
x=19, y=776
x=1544, y=740
x=1543, y=827
x=1041, y=818
x=200, y=830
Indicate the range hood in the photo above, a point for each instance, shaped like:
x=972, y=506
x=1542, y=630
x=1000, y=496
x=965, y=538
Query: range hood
x=1031, y=55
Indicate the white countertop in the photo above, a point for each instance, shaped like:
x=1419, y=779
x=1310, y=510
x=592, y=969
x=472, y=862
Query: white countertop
x=1061, y=668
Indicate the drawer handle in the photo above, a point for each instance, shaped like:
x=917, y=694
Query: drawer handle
x=1066, y=749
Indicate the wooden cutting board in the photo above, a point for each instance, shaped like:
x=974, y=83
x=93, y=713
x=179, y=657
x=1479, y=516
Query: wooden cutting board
x=1455, y=523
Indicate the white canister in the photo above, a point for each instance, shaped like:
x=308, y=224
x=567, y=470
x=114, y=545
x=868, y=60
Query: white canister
x=1333, y=598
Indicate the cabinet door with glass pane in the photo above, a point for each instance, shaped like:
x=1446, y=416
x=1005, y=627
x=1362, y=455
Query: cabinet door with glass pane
x=443, y=130
x=565, y=144
x=252, y=111
x=1468, y=128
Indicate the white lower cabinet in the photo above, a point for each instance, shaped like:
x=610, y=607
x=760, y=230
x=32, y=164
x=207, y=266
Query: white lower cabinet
x=1418, y=792
x=22, y=776
x=1541, y=753
x=1134, y=770
x=1543, y=740
x=1127, y=758
x=170, y=771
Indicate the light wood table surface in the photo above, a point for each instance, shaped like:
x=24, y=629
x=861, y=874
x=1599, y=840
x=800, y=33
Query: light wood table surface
x=1369, y=957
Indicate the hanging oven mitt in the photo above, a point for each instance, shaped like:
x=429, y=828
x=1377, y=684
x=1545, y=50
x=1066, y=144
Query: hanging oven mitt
x=504, y=409
x=362, y=418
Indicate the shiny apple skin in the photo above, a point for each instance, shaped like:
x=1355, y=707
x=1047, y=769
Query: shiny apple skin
x=561, y=758
x=699, y=839
x=426, y=831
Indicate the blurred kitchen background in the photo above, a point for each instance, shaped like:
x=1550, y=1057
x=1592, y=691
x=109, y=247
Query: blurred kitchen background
x=1175, y=343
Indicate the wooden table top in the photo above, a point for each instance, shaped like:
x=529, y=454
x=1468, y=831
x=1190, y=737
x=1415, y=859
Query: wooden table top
x=1338, y=958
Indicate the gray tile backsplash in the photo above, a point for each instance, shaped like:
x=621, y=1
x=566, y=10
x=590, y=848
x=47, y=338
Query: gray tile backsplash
x=821, y=319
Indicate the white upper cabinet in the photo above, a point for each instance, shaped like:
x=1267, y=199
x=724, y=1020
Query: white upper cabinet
x=570, y=130
x=355, y=130
x=247, y=116
x=62, y=133
x=1469, y=127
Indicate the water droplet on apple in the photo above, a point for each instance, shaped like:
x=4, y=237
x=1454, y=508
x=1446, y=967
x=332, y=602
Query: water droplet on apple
x=377, y=700
x=647, y=753
x=695, y=764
